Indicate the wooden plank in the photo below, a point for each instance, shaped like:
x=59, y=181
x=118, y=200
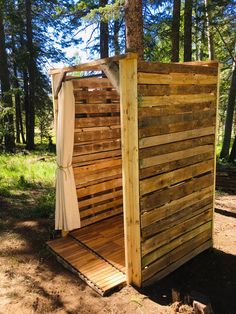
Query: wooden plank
x=158, y=67
x=173, y=147
x=175, y=109
x=159, y=198
x=99, y=217
x=176, y=78
x=161, y=90
x=172, y=207
x=166, y=236
x=99, y=157
x=104, y=186
x=171, y=267
x=151, y=257
x=96, y=108
x=148, y=122
x=104, y=175
x=154, y=160
x=96, y=166
x=170, y=166
x=85, y=122
x=101, y=198
x=175, y=137
x=166, y=128
x=170, y=178
x=100, y=208
x=181, y=215
x=87, y=265
x=178, y=263
x=96, y=135
x=91, y=82
x=154, y=101
x=92, y=65
x=97, y=146
x=111, y=70
x=215, y=144
x=95, y=96
x=129, y=126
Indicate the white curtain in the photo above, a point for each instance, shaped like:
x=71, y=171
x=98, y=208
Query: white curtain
x=67, y=212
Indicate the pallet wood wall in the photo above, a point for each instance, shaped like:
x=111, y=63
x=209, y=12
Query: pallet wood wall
x=97, y=149
x=177, y=114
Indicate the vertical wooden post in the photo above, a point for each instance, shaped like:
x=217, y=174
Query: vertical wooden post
x=216, y=134
x=130, y=167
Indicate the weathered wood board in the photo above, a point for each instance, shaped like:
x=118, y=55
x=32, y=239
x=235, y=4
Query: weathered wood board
x=177, y=121
x=97, y=149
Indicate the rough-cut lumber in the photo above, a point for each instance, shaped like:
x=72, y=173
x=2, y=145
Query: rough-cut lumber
x=151, y=161
x=175, y=137
x=168, y=179
x=96, y=108
x=160, y=213
x=176, y=78
x=129, y=135
x=165, y=68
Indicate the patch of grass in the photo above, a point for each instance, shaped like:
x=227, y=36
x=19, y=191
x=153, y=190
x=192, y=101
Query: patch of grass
x=27, y=181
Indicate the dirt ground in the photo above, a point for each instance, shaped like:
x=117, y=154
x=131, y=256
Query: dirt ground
x=31, y=281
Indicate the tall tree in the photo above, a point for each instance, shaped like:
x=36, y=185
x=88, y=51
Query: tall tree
x=104, y=33
x=31, y=67
x=175, y=30
x=211, y=46
x=188, y=30
x=229, y=114
x=134, y=26
x=9, y=135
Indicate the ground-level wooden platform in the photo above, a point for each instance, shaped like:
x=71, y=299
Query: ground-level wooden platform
x=96, y=253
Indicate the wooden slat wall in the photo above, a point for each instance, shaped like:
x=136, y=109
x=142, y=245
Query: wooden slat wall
x=177, y=114
x=97, y=149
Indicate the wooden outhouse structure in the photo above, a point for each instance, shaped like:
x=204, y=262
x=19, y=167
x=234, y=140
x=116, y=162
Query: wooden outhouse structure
x=143, y=164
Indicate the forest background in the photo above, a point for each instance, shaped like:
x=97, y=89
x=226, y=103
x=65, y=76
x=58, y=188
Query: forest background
x=35, y=33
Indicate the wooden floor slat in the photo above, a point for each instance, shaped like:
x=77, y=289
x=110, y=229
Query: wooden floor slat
x=95, y=253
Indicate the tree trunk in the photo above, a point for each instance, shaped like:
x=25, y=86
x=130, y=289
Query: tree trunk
x=229, y=115
x=9, y=135
x=116, y=30
x=18, y=120
x=232, y=156
x=31, y=66
x=211, y=48
x=175, y=30
x=104, y=34
x=134, y=26
x=188, y=30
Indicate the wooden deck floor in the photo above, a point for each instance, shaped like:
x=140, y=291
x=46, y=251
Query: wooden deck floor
x=95, y=253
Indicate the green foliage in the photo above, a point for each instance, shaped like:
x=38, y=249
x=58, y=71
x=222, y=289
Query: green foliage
x=29, y=180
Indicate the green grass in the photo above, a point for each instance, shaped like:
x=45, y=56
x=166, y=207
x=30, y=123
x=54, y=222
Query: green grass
x=29, y=180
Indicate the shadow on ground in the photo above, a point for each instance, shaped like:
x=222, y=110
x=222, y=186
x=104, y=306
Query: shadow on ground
x=212, y=273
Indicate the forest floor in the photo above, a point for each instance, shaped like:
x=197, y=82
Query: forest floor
x=31, y=281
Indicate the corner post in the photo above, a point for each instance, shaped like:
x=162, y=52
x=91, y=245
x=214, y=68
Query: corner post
x=130, y=166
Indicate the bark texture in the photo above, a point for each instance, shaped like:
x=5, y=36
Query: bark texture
x=104, y=34
x=175, y=31
x=9, y=136
x=229, y=115
x=31, y=66
x=134, y=27
x=188, y=30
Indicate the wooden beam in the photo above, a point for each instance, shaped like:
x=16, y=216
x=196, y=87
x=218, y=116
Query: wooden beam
x=130, y=166
x=215, y=145
x=111, y=70
x=91, y=66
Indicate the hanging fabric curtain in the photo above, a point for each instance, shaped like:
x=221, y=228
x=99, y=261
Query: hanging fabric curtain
x=67, y=215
